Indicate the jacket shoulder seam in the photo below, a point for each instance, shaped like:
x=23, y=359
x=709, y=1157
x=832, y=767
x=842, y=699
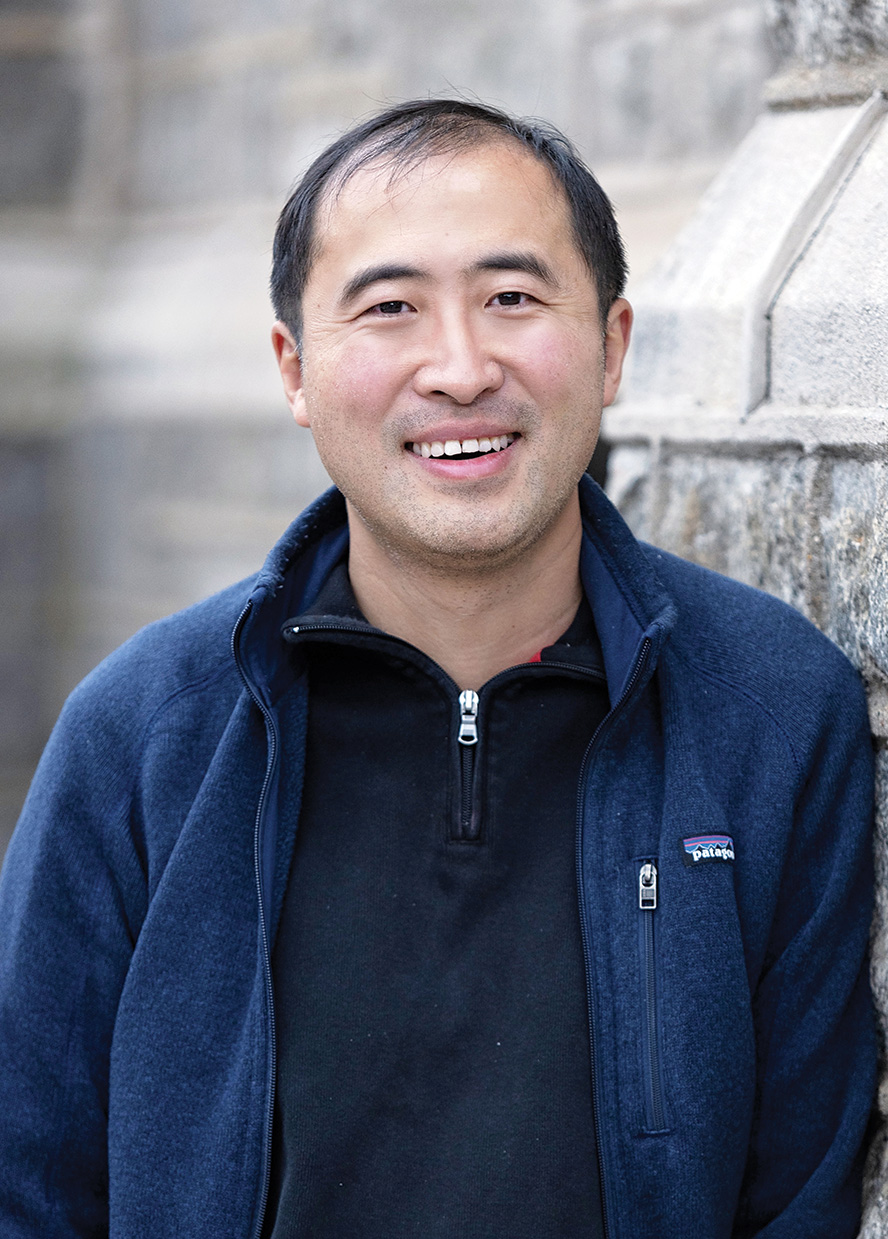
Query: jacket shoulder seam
x=742, y=691
x=191, y=687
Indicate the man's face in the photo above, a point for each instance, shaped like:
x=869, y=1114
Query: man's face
x=449, y=310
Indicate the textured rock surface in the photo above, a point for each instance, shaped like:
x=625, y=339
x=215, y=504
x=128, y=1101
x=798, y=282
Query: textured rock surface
x=759, y=405
x=743, y=516
x=848, y=586
x=817, y=31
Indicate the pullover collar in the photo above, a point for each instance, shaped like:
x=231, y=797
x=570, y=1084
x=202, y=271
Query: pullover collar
x=629, y=604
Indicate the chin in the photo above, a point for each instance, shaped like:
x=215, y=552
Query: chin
x=451, y=547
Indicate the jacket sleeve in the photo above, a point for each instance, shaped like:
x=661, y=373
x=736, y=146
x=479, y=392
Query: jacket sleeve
x=71, y=892
x=816, y=1045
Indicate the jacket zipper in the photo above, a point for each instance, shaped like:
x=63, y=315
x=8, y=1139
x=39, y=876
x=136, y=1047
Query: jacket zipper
x=647, y=901
x=468, y=739
x=271, y=764
x=584, y=927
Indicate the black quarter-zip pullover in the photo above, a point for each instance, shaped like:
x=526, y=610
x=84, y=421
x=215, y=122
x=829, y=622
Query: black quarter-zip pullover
x=434, y=1058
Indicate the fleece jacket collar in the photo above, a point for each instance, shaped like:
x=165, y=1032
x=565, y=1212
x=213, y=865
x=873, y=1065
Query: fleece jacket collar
x=633, y=613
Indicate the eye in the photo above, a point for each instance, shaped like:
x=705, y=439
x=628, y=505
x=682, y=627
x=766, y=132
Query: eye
x=390, y=309
x=511, y=299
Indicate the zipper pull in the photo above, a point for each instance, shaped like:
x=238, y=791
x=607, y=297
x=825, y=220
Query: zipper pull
x=468, y=717
x=647, y=887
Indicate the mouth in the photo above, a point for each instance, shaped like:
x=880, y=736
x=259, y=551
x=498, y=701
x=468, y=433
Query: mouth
x=462, y=449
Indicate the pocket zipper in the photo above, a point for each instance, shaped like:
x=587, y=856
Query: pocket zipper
x=647, y=901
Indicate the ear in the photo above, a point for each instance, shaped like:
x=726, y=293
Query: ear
x=290, y=366
x=616, y=342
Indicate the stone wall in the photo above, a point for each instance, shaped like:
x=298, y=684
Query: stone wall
x=753, y=433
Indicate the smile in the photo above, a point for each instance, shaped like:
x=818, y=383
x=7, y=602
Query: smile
x=462, y=449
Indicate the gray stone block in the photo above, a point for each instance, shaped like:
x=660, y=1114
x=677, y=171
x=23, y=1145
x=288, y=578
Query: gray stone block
x=178, y=158
x=848, y=588
x=180, y=325
x=701, y=313
x=820, y=31
x=830, y=322
x=41, y=132
x=742, y=516
x=164, y=24
x=829, y=85
x=163, y=513
x=28, y=562
x=473, y=47
x=679, y=82
x=51, y=7
x=628, y=484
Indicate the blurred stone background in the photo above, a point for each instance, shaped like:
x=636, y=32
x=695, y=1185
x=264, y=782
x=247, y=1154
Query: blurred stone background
x=146, y=455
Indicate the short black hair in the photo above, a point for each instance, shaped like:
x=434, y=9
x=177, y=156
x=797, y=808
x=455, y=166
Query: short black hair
x=405, y=135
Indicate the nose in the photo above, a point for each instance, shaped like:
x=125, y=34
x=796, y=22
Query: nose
x=459, y=364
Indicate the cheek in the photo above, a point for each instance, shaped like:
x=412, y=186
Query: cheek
x=564, y=368
x=349, y=396
x=363, y=379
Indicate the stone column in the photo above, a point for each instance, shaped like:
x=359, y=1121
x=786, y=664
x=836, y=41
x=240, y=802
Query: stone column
x=753, y=435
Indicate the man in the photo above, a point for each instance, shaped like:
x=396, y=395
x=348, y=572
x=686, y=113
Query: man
x=499, y=876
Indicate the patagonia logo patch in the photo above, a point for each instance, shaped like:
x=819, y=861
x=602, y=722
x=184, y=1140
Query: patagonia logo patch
x=700, y=849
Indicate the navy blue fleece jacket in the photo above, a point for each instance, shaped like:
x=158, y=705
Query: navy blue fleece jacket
x=733, y=1046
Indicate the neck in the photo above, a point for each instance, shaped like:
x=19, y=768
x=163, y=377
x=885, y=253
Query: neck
x=473, y=623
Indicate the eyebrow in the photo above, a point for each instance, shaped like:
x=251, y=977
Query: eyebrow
x=373, y=275
x=517, y=260
x=507, y=260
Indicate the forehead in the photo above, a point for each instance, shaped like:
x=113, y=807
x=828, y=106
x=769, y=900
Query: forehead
x=491, y=194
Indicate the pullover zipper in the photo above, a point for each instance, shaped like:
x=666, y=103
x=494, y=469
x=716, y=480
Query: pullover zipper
x=468, y=739
x=647, y=902
x=270, y=770
x=465, y=829
x=467, y=825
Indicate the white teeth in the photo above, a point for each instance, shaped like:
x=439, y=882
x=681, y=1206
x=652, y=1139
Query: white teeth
x=453, y=447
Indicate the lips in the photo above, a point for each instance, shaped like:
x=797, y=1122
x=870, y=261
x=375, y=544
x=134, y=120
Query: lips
x=461, y=449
